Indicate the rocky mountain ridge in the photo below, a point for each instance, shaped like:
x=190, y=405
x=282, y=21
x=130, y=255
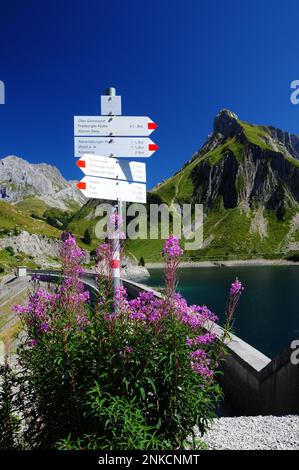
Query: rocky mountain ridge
x=257, y=165
x=247, y=179
x=20, y=179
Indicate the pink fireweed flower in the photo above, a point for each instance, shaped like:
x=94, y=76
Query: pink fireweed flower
x=236, y=287
x=235, y=292
x=200, y=364
x=114, y=225
x=120, y=300
x=194, y=316
x=110, y=316
x=82, y=321
x=115, y=220
x=198, y=340
x=126, y=350
x=20, y=309
x=172, y=248
x=146, y=307
x=44, y=327
x=71, y=291
x=31, y=343
x=172, y=253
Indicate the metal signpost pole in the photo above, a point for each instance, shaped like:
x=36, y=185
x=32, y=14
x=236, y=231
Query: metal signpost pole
x=101, y=142
x=115, y=262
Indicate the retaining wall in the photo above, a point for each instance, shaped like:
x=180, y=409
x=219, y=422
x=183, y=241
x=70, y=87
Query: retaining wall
x=252, y=382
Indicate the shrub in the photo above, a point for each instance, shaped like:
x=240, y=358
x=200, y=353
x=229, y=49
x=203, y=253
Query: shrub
x=56, y=217
x=10, y=250
x=36, y=216
x=292, y=256
x=141, y=262
x=87, y=237
x=125, y=426
x=9, y=421
x=118, y=374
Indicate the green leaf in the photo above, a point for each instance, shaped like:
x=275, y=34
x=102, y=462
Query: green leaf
x=151, y=382
x=142, y=393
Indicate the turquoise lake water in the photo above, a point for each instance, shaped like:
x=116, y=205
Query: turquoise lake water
x=268, y=312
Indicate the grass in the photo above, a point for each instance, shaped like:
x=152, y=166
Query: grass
x=181, y=187
x=256, y=135
x=11, y=217
x=292, y=160
x=11, y=260
x=84, y=219
x=72, y=205
x=230, y=229
x=32, y=205
x=216, y=155
x=150, y=250
x=237, y=149
x=167, y=190
x=8, y=336
x=232, y=238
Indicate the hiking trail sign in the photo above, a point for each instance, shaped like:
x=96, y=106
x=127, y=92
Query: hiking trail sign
x=107, y=126
x=105, y=167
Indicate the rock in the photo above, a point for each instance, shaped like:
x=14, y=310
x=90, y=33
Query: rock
x=40, y=247
x=31, y=244
x=254, y=433
x=226, y=123
x=20, y=179
x=262, y=176
x=129, y=270
x=132, y=271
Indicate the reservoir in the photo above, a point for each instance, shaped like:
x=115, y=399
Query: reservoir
x=268, y=313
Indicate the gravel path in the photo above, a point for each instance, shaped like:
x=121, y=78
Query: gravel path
x=254, y=432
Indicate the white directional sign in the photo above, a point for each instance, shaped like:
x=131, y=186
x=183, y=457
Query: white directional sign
x=110, y=105
x=113, y=125
x=105, y=167
x=115, y=146
x=102, y=188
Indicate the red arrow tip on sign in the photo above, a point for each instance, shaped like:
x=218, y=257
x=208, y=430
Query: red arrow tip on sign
x=81, y=163
x=81, y=185
x=153, y=147
x=152, y=125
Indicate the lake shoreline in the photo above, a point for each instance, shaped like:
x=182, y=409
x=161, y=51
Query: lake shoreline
x=227, y=263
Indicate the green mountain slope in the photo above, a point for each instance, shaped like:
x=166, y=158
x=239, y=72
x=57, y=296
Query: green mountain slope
x=13, y=218
x=247, y=179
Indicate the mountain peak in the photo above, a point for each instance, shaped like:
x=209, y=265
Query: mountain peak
x=226, y=123
x=20, y=179
x=12, y=158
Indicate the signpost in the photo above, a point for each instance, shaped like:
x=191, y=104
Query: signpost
x=115, y=146
x=105, y=167
x=113, y=126
x=103, y=188
x=97, y=140
x=110, y=103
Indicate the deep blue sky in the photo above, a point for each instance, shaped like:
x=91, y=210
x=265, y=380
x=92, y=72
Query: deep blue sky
x=177, y=61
